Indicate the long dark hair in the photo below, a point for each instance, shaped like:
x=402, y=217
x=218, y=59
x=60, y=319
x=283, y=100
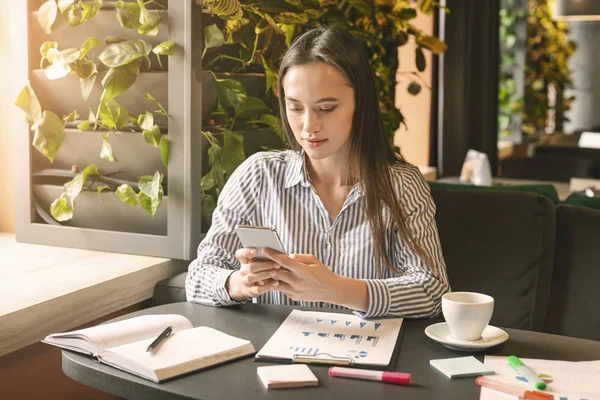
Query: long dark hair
x=370, y=147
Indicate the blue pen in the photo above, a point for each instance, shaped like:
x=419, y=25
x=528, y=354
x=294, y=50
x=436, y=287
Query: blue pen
x=526, y=372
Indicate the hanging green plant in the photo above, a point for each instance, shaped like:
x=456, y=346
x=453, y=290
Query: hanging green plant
x=135, y=15
x=123, y=61
x=252, y=37
x=75, y=12
x=510, y=103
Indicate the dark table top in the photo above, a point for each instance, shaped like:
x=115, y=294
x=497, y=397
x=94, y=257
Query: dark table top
x=238, y=379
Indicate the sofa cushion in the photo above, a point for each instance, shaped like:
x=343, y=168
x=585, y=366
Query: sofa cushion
x=575, y=293
x=583, y=200
x=547, y=190
x=500, y=243
x=171, y=290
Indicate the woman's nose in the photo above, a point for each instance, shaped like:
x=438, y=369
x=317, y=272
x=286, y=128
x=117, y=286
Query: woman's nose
x=311, y=122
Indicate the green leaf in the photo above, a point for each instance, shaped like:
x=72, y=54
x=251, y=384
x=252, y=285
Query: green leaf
x=92, y=116
x=100, y=189
x=420, y=59
x=273, y=24
x=60, y=210
x=151, y=193
x=213, y=38
x=164, y=151
x=274, y=124
x=208, y=207
x=432, y=43
x=44, y=50
x=252, y=107
x=208, y=181
x=119, y=79
x=149, y=21
x=89, y=9
x=46, y=15
x=126, y=194
x=84, y=68
x=106, y=152
x=112, y=40
x=87, y=85
x=128, y=14
x=153, y=100
x=88, y=45
x=71, y=55
x=426, y=6
x=269, y=75
x=59, y=67
x=75, y=185
x=49, y=134
x=122, y=53
x=225, y=9
x=28, y=102
x=231, y=93
x=145, y=121
x=233, y=151
x=407, y=13
x=289, y=30
x=84, y=125
x=165, y=48
x=63, y=5
x=152, y=135
x=113, y=115
x=71, y=117
x=74, y=16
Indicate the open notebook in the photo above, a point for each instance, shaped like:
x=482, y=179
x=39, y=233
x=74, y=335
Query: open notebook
x=123, y=345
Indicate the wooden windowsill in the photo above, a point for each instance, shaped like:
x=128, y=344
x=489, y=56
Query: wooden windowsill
x=47, y=289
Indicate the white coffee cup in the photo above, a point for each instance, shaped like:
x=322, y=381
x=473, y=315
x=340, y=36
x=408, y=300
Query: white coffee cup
x=467, y=313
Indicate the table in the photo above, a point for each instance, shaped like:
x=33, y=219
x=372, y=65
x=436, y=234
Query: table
x=238, y=380
x=46, y=289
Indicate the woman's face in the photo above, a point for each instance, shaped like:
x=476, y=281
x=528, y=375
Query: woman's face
x=319, y=105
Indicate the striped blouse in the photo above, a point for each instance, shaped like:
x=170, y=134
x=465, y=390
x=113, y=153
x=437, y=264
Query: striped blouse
x=273, y=189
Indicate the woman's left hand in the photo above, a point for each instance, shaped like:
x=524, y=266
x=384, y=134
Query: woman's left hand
x=306, y=277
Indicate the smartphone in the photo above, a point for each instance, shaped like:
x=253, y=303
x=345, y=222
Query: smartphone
x=259, y=237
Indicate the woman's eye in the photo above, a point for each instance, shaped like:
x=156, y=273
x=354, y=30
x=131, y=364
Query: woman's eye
x=328, y=109
x=295, y=109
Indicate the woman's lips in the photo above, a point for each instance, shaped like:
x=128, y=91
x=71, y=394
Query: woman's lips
x=314, y=143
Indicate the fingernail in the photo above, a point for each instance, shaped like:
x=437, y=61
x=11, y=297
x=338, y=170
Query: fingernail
x=252, y=252
x=273, y=273
x=276, y=283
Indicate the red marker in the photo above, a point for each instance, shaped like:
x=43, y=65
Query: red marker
x=397, y=378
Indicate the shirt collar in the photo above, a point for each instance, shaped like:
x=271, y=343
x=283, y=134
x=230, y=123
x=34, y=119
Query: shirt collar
x=296, y=172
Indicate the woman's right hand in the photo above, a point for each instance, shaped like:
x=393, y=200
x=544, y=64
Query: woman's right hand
x=254, y=277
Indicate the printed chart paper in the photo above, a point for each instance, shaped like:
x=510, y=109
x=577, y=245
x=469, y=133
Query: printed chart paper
x=331, y=335
x=564, y=379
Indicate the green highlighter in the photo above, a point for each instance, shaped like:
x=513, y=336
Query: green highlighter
x=526, y=372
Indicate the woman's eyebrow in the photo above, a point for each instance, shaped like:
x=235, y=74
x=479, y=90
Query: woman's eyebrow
x=323, y=100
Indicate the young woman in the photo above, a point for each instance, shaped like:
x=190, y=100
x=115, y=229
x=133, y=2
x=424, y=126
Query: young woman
x=356, y=220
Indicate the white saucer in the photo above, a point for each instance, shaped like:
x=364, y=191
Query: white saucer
x=490, y=337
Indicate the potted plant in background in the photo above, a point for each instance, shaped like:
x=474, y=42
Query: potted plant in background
x=114, y=76
x=243, y=43
x=547, y=73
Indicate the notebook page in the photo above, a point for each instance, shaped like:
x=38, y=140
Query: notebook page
x=178, y=349
x=127, y=331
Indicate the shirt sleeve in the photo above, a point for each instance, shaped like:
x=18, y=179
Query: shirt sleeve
x=238, y=203
x=416, y=290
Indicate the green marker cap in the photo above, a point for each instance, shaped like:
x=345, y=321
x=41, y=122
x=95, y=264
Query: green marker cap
x=515, y=363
